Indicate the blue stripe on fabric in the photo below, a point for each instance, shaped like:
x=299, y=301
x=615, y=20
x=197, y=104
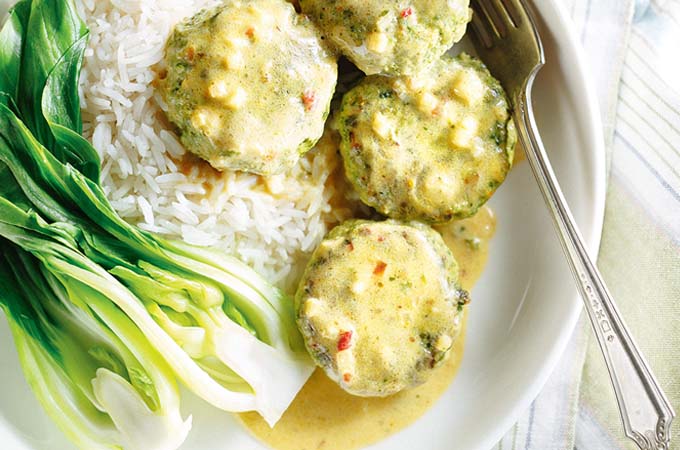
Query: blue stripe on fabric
x=651, y=71
x=649, y=167
x=655, y=23
x=641, y=8
x=644, y=100
x=597, y=436
x=532, y=412
x=654, y=149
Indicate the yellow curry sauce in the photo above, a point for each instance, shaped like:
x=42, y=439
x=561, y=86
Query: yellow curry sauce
x=324, y=417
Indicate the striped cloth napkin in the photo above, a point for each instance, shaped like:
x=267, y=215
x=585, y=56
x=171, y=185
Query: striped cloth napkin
x=633, y=52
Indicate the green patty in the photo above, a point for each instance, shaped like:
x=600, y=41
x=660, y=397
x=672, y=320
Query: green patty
x=433, y=148
x=391, y=37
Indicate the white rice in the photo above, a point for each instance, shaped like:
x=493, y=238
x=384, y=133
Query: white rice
x=272, y=225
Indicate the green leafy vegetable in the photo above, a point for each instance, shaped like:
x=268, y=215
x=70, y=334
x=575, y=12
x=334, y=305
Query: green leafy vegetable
x=88, y=363
x=11, y=43
x=53, y=27
x=133, y=308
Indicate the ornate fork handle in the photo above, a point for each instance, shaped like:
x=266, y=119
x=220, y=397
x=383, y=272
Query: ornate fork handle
x=645, y=411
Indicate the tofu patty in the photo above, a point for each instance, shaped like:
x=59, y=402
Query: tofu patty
x=248, y=84
x=393, y=37
x=379, y=305
x=432, y=148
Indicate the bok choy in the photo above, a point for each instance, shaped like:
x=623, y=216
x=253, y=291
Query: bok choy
x=139, y=308
x=88, y=363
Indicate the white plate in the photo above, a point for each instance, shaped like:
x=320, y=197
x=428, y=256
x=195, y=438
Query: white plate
x=525, y=306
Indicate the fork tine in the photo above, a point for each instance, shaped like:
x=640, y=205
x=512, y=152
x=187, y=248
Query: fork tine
x=520, y=13
x=494, y=16
x=480, y=32
x=505, y=36
x=505, y=12
x=510, y=8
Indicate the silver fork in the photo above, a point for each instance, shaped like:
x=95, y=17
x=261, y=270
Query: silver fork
x=506, y=38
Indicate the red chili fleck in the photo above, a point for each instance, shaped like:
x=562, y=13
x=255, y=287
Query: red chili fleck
x=250, y=32
x=353, y=141
x=191, y=52
x=308, y=99
x=407, y=12
x=350, y=246
x=345, y=340
x=381, y=238
x=347, y=377
x=379, y=268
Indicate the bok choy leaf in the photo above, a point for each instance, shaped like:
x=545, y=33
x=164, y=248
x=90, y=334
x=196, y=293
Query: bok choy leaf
x=11, y=44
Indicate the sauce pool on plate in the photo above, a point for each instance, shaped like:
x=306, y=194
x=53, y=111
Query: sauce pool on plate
x=324, y=417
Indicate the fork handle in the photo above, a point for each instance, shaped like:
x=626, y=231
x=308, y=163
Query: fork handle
x=645, y=410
